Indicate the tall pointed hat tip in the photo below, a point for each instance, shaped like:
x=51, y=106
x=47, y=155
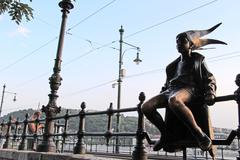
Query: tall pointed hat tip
x=214, y=27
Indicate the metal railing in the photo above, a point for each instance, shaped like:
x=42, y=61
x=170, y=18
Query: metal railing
x=19, y=137
x=232, y=135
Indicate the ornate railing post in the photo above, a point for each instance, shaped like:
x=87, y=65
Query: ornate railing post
x=23, y=143
x=16, y=130
x=52, y=109
x=139, y=152
x=57, y=131
x=80, y=146
x=35, y=134
x=6, y=144
x=108, y=133
x=64, y=134
x=1, y=134
x=237, y=94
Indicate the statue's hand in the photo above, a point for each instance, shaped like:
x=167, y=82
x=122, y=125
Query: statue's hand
x=209, y=99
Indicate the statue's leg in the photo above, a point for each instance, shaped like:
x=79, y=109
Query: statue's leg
x=177, y=104
x=149, y=109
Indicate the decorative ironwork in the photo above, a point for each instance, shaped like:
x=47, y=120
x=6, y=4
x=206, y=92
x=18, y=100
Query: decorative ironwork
x=237, y=98
x=139, y=152
x=23, y=143
x=51, y=109
x=80, y=147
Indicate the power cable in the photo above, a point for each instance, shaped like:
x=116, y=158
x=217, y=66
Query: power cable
x=93, y=42
x=225, y=58
x=156, y=70
x=30, y=80
x=224, y=55
x=27, y=55
x=94, y=13
x=115, y=40
x=24, y=57
x=169, y=19
x=45, y=22
x=102, y=46
x=65, y=64
x=145, y=29
x=87, y=53
x=94, y=87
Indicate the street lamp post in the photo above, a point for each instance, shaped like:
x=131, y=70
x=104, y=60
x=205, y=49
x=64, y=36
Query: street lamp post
x=119, y=81
x=52, y=109
x=3, y=93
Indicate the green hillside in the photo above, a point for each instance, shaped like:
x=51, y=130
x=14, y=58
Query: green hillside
x=96, y=123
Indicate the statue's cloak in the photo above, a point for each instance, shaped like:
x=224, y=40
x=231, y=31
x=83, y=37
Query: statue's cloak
x=179, y=136
x=177, y=132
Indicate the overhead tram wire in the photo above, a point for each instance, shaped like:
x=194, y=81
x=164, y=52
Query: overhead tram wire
x=94, y=87
x=142, y=30
x=94, y=13
x=170, y=19
x=33, y=79
x=224, y=58
x=71, y=34
x=133, y=34
x=17, y=61
x=110, y=82
x=64, y=64
x=157, y=70
x=87, y=53
x=146, y=72
x=45, y=22
x=27, y=55
x=145, y=29
x=224, y=55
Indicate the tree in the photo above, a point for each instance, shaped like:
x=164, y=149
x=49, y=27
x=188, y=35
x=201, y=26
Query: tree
x=16, y=10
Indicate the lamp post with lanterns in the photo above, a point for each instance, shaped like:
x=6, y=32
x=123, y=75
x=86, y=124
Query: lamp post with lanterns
x=51, y=109
x=121, y=74
x=3, y=93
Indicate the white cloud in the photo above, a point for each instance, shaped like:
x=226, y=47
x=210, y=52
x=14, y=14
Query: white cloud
x=20, y=31
x=23, y=31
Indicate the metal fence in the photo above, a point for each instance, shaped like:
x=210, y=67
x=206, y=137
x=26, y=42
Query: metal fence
x=14, y=134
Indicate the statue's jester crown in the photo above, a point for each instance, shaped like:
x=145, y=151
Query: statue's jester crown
x=195, y=37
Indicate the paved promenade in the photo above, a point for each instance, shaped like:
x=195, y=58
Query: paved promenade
x=10, y=154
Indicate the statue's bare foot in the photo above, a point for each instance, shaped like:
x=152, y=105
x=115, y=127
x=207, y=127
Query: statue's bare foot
x=205, y=142
x=159, y=144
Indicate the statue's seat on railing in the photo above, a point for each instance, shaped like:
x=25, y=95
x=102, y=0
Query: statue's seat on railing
x=181, y=145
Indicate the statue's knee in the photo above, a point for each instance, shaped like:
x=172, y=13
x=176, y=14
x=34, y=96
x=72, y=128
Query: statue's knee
x=146, y=108
x=173, y=102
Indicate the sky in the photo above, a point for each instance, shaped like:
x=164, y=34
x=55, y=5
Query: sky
x=91, y=52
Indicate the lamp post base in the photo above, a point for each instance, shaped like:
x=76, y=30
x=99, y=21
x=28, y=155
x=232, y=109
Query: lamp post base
x=46, y=147
x=79, y=149
x=139, y=154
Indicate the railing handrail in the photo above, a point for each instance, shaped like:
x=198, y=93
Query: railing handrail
x=138, y=154
x=79, y=148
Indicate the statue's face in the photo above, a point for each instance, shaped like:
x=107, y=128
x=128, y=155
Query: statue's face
x=183, y=44
x=238, y=80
